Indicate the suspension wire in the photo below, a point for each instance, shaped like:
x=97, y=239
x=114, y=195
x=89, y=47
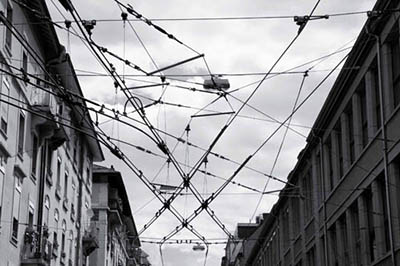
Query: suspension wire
x=223, y=186
x=161, y=254
x=133, y=100
x=187, y=184
x=206, y=255
x=144, y=206
x=141, y=42
x=180, y=138
x=120, y=155
x=231, y=18
x=230, y=121
x=161, y=145
x=280, y=146
x=101, y=112
x=87, y=73
x=140, y=17
x=114, y=149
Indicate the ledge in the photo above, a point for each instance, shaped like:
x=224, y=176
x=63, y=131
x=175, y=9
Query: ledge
x=19, y=171
x=3, y=149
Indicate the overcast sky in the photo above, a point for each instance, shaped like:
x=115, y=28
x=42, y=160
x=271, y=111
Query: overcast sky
x=230, y=46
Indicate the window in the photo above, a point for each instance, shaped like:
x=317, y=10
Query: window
x=364, y=118
x=64, y=229
x=35, y=150
x=55, y=242
x=75, y=156
x=350, y=137
x=355, y=220
x=329, y=163
x=21, y=134
x=49, y=160
x=311, y=257
x=71, y=241
x=88, y=177
x=4, y=106
x=81, y=158
x=9, y=17
x=395, y=58
x=285, y=223
x=66, y=184
x=322, y=250
x=31, y=212
x=2, y=173
x=377, y=102
x=308, y=195
x=333, y=254
x=339, y=155
x=370, y=224
x=344, y=245
x=25, y=62
x=321, y=189
x=296, y=213
x=384, y=213
x=15, y=210
x=46, y=210
x=58, y=183
x=55, y=236
x=56, y=216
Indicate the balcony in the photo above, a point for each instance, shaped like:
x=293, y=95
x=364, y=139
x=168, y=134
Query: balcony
x=46, y=120
x=44, y=101
x=115, y=204
x=29, y=254
x=90, y=241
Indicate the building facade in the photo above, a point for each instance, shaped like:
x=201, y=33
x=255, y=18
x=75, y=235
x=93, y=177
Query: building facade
x=245, y=237
x=119, y=243
x=47, y=145
x=344, y=206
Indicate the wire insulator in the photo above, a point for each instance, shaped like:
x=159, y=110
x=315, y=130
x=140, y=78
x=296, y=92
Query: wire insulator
x=67, y=23
x=124, y=16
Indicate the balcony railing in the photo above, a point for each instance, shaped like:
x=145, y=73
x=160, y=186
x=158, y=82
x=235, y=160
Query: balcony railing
x=29, y=251
x=44, y=99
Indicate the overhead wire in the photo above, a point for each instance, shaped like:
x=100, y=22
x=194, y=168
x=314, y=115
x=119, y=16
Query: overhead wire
x=222, y=187
x=205, y=203
x=228, y=18
x=281, y=144
x=162, y=147
x=231, y=119
x=114, y=149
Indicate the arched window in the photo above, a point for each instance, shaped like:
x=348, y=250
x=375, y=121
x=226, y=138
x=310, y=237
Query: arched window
x=55, y=236
x=46, y=210
x=71, y=243
x=56, y=216
x=64, y=229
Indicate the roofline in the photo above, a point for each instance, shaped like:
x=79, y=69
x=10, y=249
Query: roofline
x=49, y=39
x=117, y=178
x=362, y=43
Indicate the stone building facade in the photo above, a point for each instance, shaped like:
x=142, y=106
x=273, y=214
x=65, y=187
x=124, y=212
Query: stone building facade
x=119, y=243
x=47, y=147
x=344, y=207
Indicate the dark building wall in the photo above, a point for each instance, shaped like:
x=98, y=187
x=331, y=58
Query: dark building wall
x=348, y=205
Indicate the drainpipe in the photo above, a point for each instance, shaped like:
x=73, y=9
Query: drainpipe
x=40, y=202
x=385, y=156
